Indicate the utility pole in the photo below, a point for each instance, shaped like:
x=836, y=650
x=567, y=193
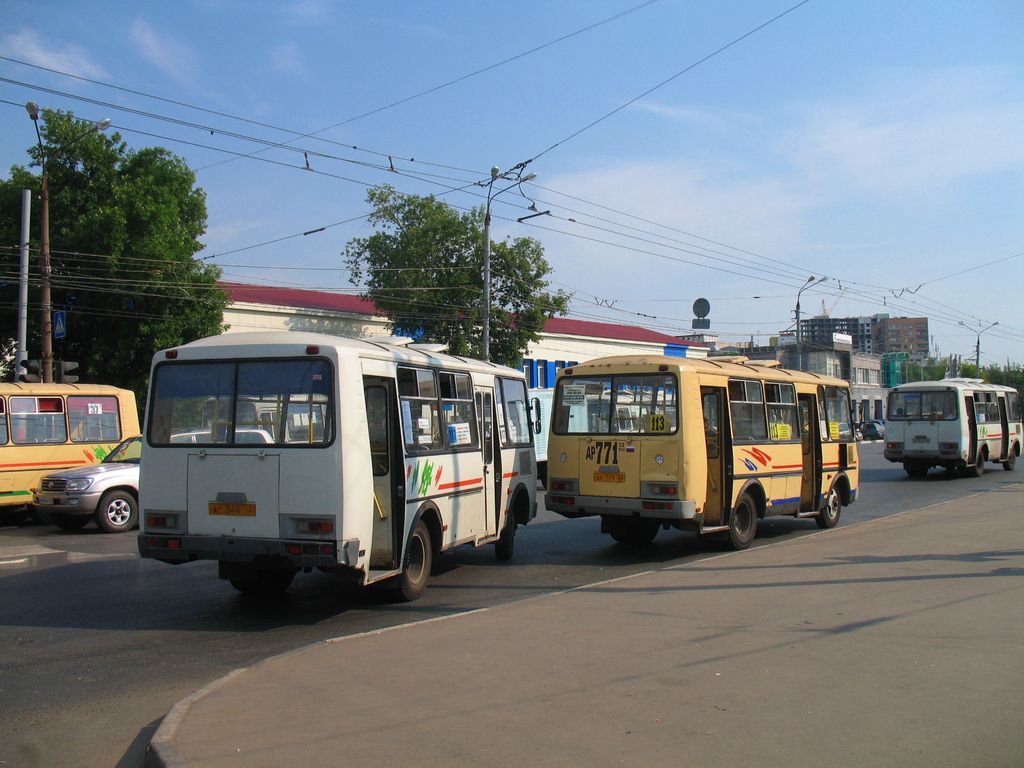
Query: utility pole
x=26, y=223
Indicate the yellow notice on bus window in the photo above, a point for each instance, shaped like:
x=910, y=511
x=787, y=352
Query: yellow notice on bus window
x=781, y=431
x=657, y=422
x=833, y=430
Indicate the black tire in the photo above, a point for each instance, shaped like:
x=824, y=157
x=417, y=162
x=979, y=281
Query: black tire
x=828, y=516
x=743, y=523
x=977, y=469
x=1011, y=460
x=264, y=582
x=915, y=468
x=505, y=546
x=117, y=511
x=633, y=531
x=416, y=564
x=70, y=522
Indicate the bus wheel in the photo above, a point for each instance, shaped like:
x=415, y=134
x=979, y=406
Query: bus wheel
x=977, y=469
x=264, y=581
x=118, y=511
x=633, y=531
x=829, y=514
x=743, y=523
x=1011, y=460
x=504, y=547
x=69, y=522
x=416, y=565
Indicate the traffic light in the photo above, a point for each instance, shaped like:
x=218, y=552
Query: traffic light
x=33, y=372
x=60, y=372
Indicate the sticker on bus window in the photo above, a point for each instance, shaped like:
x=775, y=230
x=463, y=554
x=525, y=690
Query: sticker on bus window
x=459, y=434
x=833, y=430
x=657, y=422
x=574, y=394
x=781, y=432
x=95, y=409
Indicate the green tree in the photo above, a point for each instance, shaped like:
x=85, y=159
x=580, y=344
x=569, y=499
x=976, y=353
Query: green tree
x=423, y=269
x=124, y=228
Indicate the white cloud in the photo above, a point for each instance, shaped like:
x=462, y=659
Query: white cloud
x=915, y=135
x=305, y=11
x=28, y=46
x=169, y=56
x=706, y=118
x=288, y=59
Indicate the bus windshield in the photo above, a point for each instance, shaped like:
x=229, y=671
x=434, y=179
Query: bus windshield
x=268, y=402
x=631, y=404
x=934, y=406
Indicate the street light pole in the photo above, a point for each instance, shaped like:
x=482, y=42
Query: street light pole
x=799, y=334
x=44, y=238
x=516, y=174
x=977, y=345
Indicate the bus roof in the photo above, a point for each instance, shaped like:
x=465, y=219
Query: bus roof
x=395, y=348
x=723, y=366
x=35, y=390
x=958, y=384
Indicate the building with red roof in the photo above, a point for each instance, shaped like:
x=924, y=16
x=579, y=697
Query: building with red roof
x=564, y=341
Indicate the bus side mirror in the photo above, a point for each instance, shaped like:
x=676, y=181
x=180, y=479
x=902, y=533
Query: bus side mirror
x=537, y=415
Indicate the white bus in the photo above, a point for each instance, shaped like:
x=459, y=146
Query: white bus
x=373, y=456
x=958, y=424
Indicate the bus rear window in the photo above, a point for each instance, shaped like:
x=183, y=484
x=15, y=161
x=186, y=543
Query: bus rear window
x=260, y=402
x=933, y=406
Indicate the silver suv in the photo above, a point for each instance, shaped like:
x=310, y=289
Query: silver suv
x=107, y=492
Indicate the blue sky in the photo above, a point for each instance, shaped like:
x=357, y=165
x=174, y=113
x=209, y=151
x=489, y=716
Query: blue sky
x=875, y=143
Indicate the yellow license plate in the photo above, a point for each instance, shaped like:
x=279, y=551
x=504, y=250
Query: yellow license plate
x=609, y=477
x=233, y=510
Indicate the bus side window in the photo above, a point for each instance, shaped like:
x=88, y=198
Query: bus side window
x=377, y=424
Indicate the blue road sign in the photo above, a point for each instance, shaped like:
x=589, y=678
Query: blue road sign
x=60, y=324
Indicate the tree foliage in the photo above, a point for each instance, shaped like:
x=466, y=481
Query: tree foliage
x=423, y=268
x=124, y=227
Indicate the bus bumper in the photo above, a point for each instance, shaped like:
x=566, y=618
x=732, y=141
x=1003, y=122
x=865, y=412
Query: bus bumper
x=178, y=548
x=586, y=506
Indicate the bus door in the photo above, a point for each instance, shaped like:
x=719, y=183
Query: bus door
x=810, y=442
x=972, y=430
x=491, y=456
x=1004, y=422
x=388, y=508
x=719, y=453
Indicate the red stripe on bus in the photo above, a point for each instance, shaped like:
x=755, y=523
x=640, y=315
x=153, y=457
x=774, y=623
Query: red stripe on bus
x=509, y=475
x=459, y=484
x=834, y=465
x=788, y=466
x=43, y=464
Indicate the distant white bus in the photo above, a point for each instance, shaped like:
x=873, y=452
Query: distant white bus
x=958, y=424
x=274, y=453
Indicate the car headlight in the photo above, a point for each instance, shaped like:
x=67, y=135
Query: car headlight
x=79, y=483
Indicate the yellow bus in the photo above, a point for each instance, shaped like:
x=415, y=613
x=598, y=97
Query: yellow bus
x=713, y=445
x=48, y=427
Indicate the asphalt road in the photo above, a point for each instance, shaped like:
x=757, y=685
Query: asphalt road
x=98, y=644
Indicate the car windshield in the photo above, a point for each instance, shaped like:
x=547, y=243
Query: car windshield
x=129, y=451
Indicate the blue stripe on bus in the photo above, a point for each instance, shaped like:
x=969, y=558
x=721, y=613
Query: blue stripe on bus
x=776, y=502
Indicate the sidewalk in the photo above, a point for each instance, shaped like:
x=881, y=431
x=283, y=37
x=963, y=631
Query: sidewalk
x=896, y=642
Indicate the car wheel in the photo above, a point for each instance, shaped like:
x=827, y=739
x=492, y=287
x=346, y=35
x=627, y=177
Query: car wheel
x=117, y=511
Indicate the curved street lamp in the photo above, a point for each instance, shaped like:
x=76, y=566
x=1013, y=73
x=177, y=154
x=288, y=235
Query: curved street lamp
x=977, y=344
x=44, y=238
x=514, y=175
x=812, y=280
